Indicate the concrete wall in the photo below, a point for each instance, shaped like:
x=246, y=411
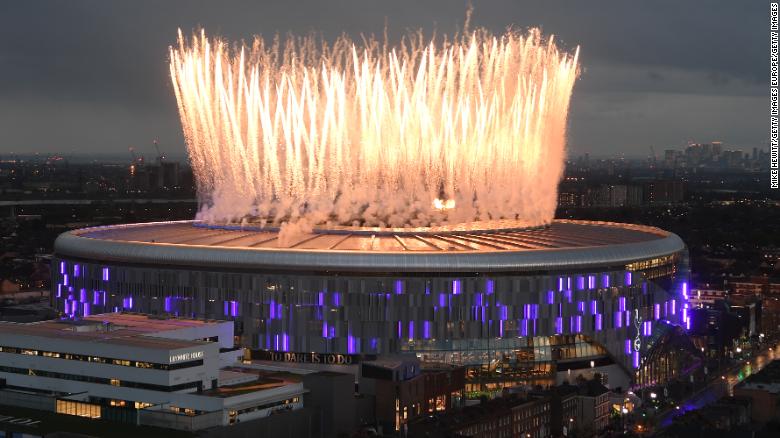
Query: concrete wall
x=42, y=402
x=334, y=395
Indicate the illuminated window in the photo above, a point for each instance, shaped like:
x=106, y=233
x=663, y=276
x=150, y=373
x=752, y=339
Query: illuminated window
x=116, y=382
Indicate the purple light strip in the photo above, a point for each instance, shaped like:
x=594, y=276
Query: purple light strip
x=605, y=280
x=550, y=297
x=618, y=319
x=455, y=287
x=593, y=307
x=628, y=278
x=628, y=346
x=580, y=283
x=490, y=287
x=598, y=322
x=399, y=287
x=558, y=325
x=657, y=311
x=622, y=304
x=105, y=274
x=636, y=359
x=426, y=329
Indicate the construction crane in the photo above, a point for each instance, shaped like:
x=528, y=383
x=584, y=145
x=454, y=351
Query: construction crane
x=655, y=158
x=160, y=156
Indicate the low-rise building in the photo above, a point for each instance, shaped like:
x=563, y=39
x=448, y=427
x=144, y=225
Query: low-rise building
x=166, y=372
x=510, y=416
x=763, y=389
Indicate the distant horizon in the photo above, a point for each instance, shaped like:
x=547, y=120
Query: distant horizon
x=178, y=156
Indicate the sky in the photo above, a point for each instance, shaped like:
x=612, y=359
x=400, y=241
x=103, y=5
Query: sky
x=91, y=77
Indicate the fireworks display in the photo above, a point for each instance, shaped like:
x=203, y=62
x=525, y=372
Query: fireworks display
x=429, y=131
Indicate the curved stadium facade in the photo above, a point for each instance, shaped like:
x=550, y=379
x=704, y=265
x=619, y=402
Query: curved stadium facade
x=509, y=303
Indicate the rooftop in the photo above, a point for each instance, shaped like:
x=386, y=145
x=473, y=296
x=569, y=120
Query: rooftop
x=496, y=245
x=110, y=328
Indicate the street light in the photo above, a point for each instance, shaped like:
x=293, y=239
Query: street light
x=653, y=395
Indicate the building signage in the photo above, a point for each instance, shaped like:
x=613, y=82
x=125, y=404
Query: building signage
x=183, y=357
x=315, y=358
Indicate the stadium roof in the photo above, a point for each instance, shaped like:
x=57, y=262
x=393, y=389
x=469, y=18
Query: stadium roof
x=498, y=246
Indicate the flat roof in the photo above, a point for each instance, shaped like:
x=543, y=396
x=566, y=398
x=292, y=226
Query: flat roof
x=132, y=330
x=478, y=246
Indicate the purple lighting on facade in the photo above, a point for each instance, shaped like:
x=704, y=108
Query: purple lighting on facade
x=351, y=344
x=550, y=297
x=490, y=287
x=622, y=304
x=593, y=307
x=127, y=303
x=524, y=327
x=399, y=287
x=455, y=287
x=560, y=284
x=105, y=274
x=62, y=267
x=628, y=346
x=558, y=325
x=636, y=359
x=76, y=270
x=598, y=322
x=167, y=304
x=618, y=319
x=65, y=279
x=580, y=283
x=674, y=307
x=605, y=280
x=581, y=306
x=85, y=309
x=426, y=329
x=591, y=281
x=627, y=279
x=411, y=330
x=657, y=311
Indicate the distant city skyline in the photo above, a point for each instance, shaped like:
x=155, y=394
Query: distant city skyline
x=89, y=77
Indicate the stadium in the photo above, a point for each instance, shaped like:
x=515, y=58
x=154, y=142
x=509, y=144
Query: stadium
x=511, y=303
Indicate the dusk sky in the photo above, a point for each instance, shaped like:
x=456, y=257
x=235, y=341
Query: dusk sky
x=86, y=77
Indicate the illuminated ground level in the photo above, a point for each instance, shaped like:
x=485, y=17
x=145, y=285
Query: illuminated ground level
x=511, y=304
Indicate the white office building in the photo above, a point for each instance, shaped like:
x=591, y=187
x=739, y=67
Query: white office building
x=170, y=372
